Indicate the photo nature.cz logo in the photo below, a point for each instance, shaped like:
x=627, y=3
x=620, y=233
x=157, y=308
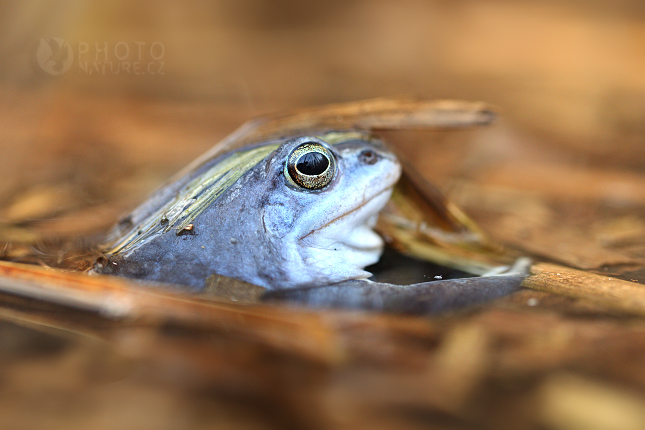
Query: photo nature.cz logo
x=55, y=56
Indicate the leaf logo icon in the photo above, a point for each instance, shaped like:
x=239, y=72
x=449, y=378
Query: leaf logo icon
x=54, y=56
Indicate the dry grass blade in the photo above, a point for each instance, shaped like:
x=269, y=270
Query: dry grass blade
x=299, y=332
x=384, y=113
x=611, y=292
x=419, y=221
x=379, y=113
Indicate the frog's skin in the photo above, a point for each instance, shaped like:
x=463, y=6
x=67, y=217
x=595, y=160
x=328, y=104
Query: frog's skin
x=267, y=230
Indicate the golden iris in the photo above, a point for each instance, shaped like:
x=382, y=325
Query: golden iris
x=311, y=166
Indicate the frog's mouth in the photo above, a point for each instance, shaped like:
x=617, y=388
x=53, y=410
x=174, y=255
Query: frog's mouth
x=353, y=228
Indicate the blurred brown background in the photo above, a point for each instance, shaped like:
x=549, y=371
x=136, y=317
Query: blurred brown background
x=570, y=73
x=559, y=176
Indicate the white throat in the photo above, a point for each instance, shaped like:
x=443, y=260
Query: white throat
x=340, y=249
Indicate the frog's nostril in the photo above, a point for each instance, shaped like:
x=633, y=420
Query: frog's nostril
x=368, y=156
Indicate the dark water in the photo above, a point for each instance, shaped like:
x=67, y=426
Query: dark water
x=396, y=268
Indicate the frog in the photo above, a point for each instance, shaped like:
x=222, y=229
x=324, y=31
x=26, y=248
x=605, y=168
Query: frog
x=291, y=208
x=302, y=216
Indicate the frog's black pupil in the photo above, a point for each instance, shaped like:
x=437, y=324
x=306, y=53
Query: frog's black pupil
x=312, y=163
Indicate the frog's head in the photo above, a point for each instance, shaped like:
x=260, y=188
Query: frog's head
x=325, y=196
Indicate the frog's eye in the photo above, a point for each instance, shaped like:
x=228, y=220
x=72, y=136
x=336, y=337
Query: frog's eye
x=311, y=166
